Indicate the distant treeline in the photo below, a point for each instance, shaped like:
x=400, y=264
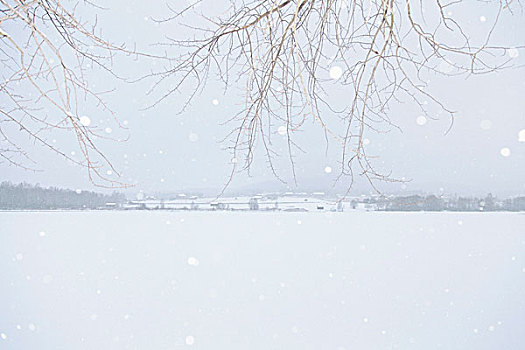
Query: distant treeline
x=434, y=203
x=26, y=196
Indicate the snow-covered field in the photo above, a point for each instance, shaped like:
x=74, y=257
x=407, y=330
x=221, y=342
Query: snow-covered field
x=223, y=280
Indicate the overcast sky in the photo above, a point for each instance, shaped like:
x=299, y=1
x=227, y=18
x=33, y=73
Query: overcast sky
x=167, y=152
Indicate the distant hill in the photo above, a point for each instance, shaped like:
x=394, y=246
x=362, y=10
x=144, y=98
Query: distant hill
x=27, y=196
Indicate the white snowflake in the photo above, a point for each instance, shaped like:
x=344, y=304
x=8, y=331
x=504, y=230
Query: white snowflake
x=328, y=170
x=521, y=136
x=282, y=130
x=513, y=53
x=421, y=120
x=193, y=261
x=193, y=137
x=485, y=124
x=505, y=152
x=190, y=340
x=85, y=120
x=336, y=72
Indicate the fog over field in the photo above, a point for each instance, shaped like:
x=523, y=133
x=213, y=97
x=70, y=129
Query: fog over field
x=224, y=280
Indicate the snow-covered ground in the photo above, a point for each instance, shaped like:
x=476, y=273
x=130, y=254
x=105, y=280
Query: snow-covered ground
x=244, y=280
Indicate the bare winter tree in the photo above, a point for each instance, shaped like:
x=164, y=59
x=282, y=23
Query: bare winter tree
x=45, y=51
x=288, y=55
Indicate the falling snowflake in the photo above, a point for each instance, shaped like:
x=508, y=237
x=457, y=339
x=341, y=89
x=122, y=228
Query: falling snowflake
x=108, y=130
x=215, y=102
x=336, y=72
x=521, y=136
x=505, y=152
x=109, y=172
x=193, y=261
x=85, y=120
x=78, y=191
x=193, y=137
x=3, y=336
x=282, y=130
x=513, y=53
x=366, y=142
x=483, y=19
x=485, y=124
x=190, y=340
x=421, y=120
x=328, y=170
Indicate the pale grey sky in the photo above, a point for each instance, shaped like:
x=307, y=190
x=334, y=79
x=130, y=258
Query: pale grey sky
x=167, y=152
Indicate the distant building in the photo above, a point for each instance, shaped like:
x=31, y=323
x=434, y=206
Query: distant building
x=254, y=204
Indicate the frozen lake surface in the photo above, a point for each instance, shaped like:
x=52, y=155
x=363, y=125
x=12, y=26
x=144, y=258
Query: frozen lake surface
x=241, y=280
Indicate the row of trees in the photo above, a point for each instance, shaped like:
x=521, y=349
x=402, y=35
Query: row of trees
x=26, y=196
x=434, y=203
